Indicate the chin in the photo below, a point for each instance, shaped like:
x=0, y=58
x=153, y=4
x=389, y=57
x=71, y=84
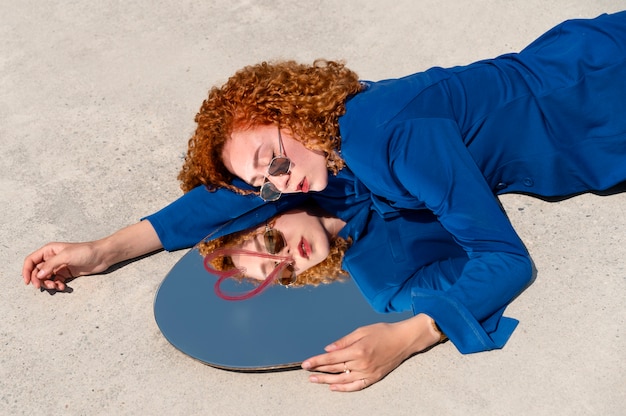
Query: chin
x=320, y=185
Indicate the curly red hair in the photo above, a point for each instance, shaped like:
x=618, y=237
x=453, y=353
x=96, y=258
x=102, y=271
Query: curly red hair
x=306, y=99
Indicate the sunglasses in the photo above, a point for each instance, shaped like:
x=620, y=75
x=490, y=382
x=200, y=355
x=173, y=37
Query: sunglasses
x=279, y=165
x=274, y=243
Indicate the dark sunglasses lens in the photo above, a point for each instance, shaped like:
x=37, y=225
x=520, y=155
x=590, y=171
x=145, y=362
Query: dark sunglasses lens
x=279, y=166
x=269, y=192
x=287, y=276
x=274, y=241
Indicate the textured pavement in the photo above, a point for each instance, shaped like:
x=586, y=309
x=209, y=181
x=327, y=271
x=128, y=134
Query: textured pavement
x=97, y=101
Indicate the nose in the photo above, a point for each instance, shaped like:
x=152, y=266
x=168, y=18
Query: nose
x=280, y=182
x=287, y=253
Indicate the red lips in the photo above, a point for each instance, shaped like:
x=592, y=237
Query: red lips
x=304, y=185
x=304, y=248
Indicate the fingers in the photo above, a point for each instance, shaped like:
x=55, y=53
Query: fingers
x=33, y=278
x=345, y=342
x=34, y=275
x=337, y=370
x=29, y=269
x=362, y=358
x=336, y=354
x=336, y=367
x=56, y=283
x=39, y=278
x=332, y=362
x=355, y=385
x=40, y=266
x=346, y=378
x=40, y=274
x=48, y=280
x=51, y=267
x=341, y=382
x=345, y=381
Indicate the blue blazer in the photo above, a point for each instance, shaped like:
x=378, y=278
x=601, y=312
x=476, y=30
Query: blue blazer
x=547, y=121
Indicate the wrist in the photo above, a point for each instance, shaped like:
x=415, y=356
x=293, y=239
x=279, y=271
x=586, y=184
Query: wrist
x=423, y=333
x=103, y=253
x=442, y=336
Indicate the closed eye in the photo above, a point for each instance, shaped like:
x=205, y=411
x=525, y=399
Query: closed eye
x=260, y=165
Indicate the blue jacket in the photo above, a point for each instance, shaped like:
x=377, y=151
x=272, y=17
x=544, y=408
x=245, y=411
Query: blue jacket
x=547, y=121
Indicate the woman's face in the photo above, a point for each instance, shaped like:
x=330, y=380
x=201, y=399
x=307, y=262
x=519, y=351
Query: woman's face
x=248, y=154
x=306, y=240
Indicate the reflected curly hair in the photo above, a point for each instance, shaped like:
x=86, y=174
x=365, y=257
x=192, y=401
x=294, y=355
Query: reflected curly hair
x=329, y=270
x=306, y=99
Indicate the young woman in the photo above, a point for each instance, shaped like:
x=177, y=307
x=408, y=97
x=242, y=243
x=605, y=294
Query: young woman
x=547, y=121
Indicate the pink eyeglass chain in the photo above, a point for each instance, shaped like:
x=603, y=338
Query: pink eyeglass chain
x=225, y=274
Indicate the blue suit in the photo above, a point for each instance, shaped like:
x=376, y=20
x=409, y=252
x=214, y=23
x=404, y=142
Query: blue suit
x=549, y=121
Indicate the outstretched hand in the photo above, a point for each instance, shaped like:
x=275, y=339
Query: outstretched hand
x=368, y=354
x=53, y=264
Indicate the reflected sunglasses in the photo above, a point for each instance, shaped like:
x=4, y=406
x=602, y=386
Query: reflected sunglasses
x=284, y=272
x=279, y=165
x=274, y=243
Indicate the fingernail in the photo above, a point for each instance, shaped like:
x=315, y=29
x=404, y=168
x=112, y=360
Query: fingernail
x=313, y=379
x=41, y=273
x=306, y=365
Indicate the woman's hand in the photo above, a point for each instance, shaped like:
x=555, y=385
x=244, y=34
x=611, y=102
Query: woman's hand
x=53, y=264
x=368, y=354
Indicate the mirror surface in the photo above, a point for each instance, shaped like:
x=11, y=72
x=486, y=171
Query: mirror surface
x=279, y=328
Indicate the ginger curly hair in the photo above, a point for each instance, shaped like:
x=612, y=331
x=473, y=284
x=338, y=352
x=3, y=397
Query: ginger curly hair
x=306, y=99
x=328, y=271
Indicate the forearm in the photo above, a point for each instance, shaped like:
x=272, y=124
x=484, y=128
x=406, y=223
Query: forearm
x=129, y=242
x=419, y=333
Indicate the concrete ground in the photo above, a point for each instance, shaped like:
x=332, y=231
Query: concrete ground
x=97, y=101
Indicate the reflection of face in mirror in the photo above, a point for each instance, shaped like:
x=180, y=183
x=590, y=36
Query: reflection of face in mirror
x=307, y=244
x=311, y=246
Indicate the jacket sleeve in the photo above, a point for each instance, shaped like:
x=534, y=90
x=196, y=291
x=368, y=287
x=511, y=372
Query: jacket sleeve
x=425, y=292
x=429, y=161
x=201, y=212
